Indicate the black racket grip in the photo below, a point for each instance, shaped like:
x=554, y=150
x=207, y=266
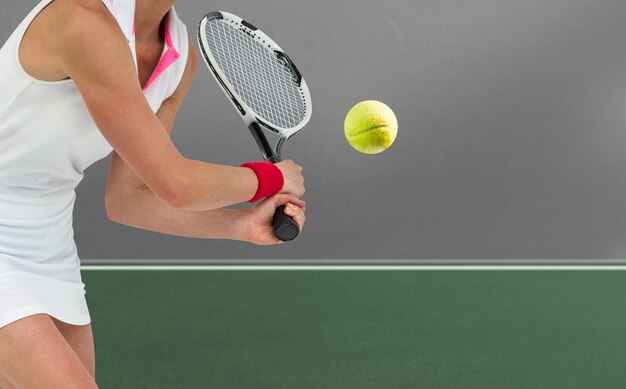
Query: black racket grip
x=285, y=228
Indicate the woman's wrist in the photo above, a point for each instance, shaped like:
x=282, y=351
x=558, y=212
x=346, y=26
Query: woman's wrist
x=226, y=223
x=270, y=179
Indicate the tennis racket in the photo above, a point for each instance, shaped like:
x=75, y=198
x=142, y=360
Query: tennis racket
x=263, y=85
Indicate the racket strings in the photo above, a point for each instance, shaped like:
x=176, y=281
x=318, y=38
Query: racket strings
x=261, y=80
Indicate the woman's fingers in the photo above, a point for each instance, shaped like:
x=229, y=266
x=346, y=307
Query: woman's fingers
x=296, y=212
x=284, y=199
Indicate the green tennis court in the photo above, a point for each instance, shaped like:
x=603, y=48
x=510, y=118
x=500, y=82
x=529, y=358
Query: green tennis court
x=376, y=326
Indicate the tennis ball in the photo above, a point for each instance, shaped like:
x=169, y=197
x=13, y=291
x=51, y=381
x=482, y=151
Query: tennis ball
x=371, y=127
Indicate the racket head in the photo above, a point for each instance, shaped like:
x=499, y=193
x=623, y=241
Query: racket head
x=257, y=75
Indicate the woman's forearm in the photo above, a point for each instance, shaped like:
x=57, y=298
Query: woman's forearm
x=142, y=209
x=209, y=186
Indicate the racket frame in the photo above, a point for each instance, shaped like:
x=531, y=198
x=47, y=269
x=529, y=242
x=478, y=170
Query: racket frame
x=254, y=121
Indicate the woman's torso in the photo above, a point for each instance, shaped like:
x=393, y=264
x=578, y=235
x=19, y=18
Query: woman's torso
x=48, y=139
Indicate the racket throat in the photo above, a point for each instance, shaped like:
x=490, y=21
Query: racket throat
x=269, y=154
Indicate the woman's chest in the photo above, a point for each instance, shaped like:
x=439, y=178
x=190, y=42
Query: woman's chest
x=148, y=57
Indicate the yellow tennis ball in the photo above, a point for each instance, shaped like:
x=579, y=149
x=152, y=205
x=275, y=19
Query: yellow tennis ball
x=371, y=127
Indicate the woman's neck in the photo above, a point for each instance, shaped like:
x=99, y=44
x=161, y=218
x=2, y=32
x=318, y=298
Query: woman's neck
x=148, y=17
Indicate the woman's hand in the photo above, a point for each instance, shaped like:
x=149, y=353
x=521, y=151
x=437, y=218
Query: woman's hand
x=257, y=221
x=294, y=181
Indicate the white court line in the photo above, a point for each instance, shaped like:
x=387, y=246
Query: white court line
x=354, y=268
x=352, y=261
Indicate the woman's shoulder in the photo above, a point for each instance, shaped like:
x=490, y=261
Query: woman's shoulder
x=85, y=29
x=85, y=18
x=67, y=31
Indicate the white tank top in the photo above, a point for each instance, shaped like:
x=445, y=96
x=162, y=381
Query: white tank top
x=47, y=136
x=47, y=140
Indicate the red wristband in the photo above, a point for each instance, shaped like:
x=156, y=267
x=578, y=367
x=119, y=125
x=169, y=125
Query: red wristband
x=270, y=177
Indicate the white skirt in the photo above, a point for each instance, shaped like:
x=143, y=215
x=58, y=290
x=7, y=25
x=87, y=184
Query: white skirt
x=40, y=270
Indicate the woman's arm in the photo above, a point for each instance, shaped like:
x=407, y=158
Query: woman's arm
x=130, y=202
x=122, y=181
x=144, y=210
x=93, y=52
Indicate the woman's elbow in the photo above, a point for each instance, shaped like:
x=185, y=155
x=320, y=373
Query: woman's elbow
x=177, y=199
x=112, y=207
x=176, y=195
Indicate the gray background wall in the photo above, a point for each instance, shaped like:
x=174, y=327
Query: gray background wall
x=512, y=131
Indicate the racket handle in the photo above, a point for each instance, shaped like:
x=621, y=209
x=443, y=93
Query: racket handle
x=285, y=228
